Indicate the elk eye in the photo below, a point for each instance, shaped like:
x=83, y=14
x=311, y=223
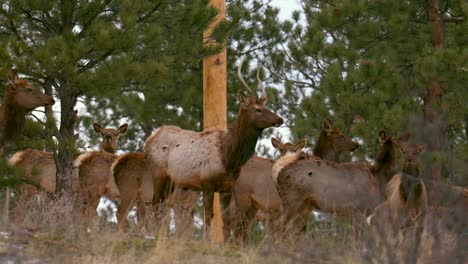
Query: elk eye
x=258, y=110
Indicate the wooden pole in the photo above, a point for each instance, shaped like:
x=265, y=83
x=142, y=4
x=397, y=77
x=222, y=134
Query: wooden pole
x=215, y=105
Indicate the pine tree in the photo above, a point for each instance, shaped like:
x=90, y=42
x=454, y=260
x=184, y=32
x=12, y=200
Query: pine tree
x=113, y=48
x=372, y=65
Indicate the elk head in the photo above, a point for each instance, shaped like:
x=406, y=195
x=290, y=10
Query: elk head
x=411, y=160
x=110, y=136
x=256, y=114
x=388, y=145
x=338, y=140
x=288, y=147
x=24, y=95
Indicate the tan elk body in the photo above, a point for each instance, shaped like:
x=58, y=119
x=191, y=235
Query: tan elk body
x=94, y=169
x=211, y=160
x=255, y=190
x=39, y=166
x=396, y=221
x=255, y=194
x=307, y=182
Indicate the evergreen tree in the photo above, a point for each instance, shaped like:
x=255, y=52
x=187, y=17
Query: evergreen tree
x=372, y=65
x=117, y=48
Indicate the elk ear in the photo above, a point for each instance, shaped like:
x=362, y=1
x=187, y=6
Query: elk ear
x=382, y=136
x=122, y=129
x=327, y=125
x=243, y=99
x=275, y=142
x=97, y=127
x=12, y=75
x=421, y=148
x=301, y=143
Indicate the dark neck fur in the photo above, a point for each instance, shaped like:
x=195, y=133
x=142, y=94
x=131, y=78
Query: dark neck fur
x=324, y=150
x=411, y=169
x=12, y=119
x=238, y=144
x=384, y=162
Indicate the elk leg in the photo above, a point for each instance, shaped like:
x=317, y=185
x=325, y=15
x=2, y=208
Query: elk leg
x=183, y=206
x=243, y=203
x=208, y=198
x=141, y=214
x=122, y=212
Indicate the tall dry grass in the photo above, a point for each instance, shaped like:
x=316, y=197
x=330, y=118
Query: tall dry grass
x=53, y=231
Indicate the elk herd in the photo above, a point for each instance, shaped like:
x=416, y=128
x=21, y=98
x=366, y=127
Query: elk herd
x=281, y=193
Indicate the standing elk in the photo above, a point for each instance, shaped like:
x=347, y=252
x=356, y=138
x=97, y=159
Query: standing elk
x=307, y=182
x=384, y=166
x=94, y=169
x=39, y=166
x=255, y=190
x=422, y=221
x=396, y=222
x=20, y=98
x=211, y=160
x=134, y=179
x=255, y=193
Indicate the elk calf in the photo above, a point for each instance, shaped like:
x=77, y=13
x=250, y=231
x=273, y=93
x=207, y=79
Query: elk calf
x=396, y=222
x=255, y=194
x=383, y=168
x=39, y=166
x=94, y=169
x=136, y=183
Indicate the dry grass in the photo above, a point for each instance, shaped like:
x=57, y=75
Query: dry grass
x=53, y=231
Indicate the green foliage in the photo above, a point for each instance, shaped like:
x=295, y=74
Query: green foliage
x=368, y=66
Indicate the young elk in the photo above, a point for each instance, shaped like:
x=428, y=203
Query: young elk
x=20, y=97
x=332, y=142
x=255, y=194
x=94, y=169
x=39, y=166
x=134, y=179
x=211, y=160
x=395, y=222
x=383, y=168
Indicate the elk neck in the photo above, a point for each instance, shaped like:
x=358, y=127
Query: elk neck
x=238, y=144
x=411, y=168
x=12, y=119
x=385, y=159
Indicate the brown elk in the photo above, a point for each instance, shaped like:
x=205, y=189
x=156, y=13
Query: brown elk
x=211, y=160
x=332, y=142
x=94, y=169
x=384, y=164
x=255, y=193
x=20, y=97
x=307, y=182
x=134, y=179
x=39, y=166
x=420, y=216
x=255, y=190
x=395, y=223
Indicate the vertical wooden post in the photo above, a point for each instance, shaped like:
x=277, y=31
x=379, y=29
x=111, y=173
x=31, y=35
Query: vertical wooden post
x=215, y=105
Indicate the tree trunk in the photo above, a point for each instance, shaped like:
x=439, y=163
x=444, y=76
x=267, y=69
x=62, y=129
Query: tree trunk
x=433, y=111
x=66, y=144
